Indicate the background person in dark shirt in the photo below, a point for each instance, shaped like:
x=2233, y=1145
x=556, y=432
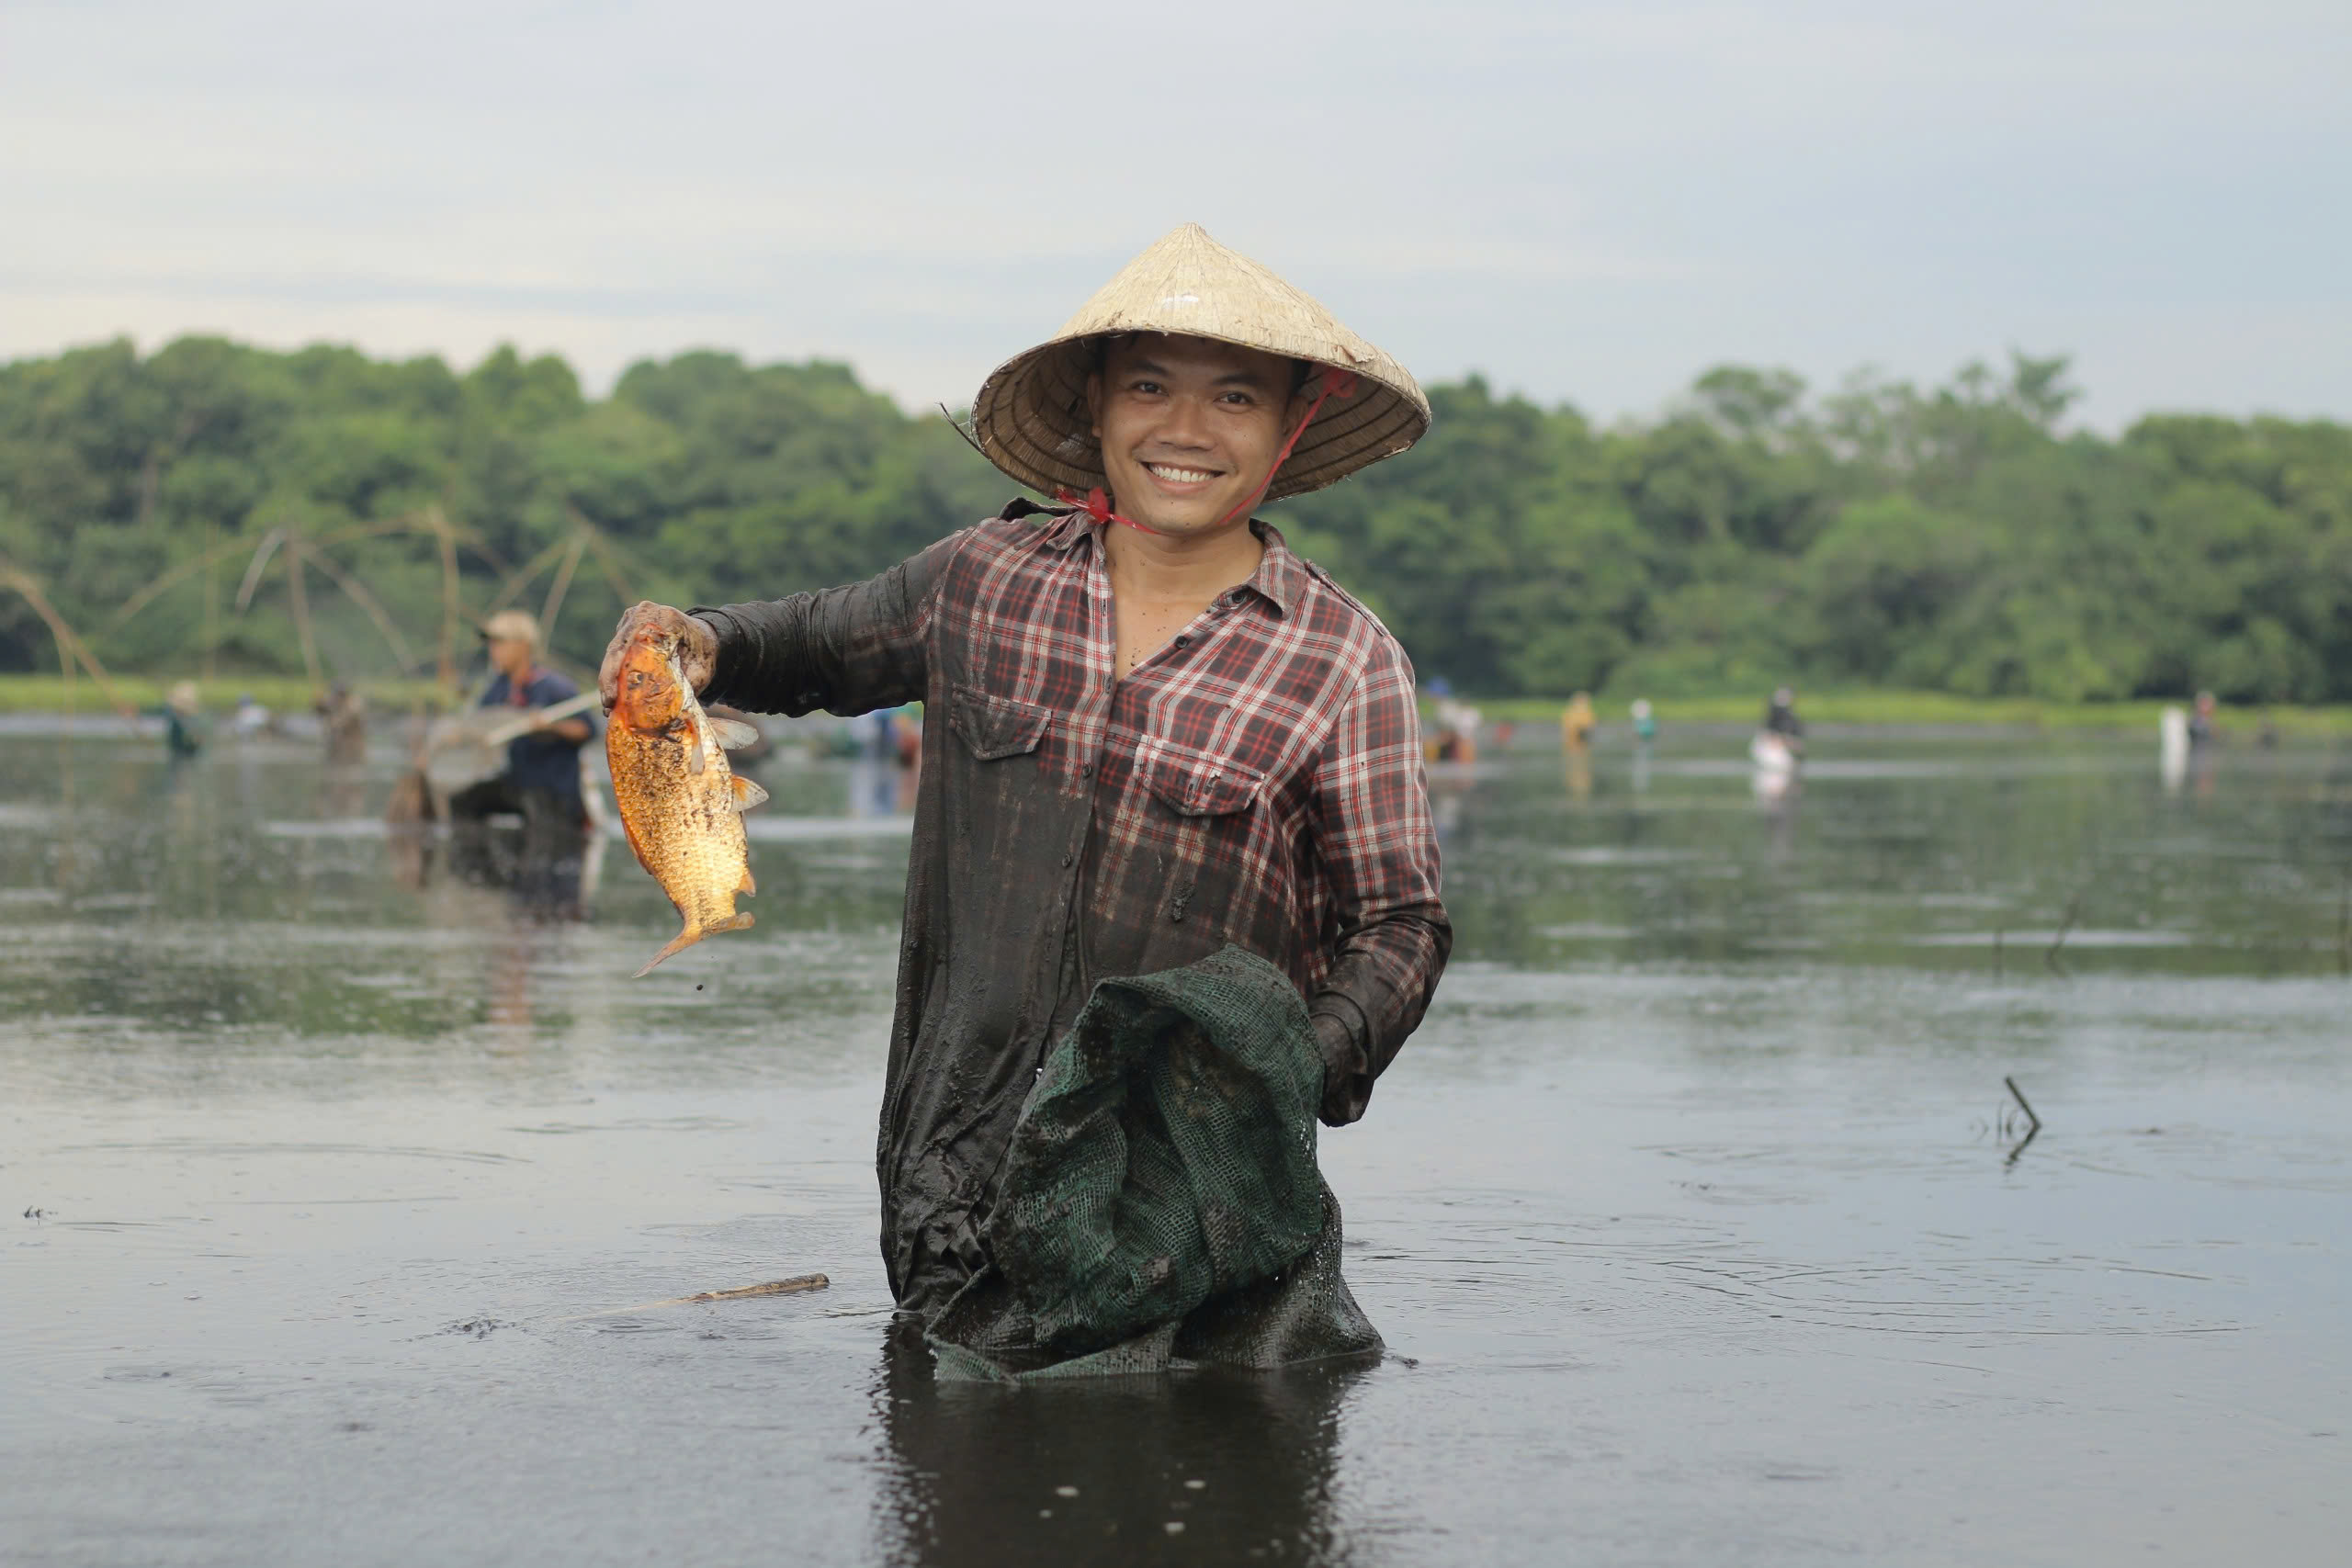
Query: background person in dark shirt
x=1781, y=718
x=542, y=784
x=182, y=721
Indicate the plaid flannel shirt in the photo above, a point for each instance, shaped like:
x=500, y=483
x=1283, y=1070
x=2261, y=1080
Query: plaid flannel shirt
x=1257, y=781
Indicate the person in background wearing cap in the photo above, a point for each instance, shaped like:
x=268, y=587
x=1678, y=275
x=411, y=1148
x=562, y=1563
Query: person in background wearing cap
x=1150, y=729
x=182, y=721
x=542, y=784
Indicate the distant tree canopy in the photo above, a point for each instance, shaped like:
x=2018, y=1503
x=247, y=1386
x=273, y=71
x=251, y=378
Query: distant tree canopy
x=206, y=501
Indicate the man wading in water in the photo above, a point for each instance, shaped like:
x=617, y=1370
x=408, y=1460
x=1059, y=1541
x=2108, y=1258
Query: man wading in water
x=1151, y=730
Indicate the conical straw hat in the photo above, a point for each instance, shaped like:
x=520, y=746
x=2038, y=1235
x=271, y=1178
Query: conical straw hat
x=1031, y=418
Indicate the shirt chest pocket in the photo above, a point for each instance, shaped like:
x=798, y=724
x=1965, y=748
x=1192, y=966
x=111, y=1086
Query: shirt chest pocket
x=1196, y=783
x=993, y=728
x=1205, y=807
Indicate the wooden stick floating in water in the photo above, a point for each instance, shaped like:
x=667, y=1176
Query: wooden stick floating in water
x=792, y=1287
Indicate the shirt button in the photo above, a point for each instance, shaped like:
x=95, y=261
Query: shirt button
x=1183, y=642
x=1067, y=859
x=1086, y=770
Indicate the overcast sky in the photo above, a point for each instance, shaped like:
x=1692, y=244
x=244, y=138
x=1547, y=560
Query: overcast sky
x=1589, y=203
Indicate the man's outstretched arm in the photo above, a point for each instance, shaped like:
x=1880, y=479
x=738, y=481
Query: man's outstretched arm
x=849, y=649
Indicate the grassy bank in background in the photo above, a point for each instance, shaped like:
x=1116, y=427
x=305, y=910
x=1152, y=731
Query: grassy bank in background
x=280, y=694
x=1891, y=707
x=292, y=693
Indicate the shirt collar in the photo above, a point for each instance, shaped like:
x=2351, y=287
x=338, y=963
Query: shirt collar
x=1279, y=579
x=1067, y=529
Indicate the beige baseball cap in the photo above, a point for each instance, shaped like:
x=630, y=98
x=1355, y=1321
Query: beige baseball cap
x=511, y=626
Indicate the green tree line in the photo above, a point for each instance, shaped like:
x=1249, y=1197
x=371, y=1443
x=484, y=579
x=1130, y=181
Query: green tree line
x=218, y=506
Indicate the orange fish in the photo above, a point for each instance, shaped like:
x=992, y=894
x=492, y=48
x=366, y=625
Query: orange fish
x=681, y=802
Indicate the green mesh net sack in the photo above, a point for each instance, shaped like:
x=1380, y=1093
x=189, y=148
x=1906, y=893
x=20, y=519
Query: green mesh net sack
x=1161, y=1201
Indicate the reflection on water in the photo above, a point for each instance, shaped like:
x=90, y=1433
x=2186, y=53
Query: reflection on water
x=1694, y=1217
x=1207, y=1467
x=1918, y=853
x=1860, y=857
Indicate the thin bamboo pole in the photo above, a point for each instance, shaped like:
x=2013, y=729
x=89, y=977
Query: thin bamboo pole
x=298, y=598
x=262, y=552
x=204, y=560
x=433, y=521
x=65, y=741
x=553, y=606
x=211, y=633
x=446, y=671
x=617, y=567
x=30, y=588
x=520, y=577
x=367, y=601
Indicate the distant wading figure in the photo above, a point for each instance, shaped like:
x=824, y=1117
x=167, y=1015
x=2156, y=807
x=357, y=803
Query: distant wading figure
x=343, y=721
x=182, y=721
x=1779, y=745
x=1577, y=721
x=2202, y=731
x=541, y=781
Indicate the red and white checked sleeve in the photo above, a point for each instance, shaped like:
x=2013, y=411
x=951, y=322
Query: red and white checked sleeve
x=1388, y=935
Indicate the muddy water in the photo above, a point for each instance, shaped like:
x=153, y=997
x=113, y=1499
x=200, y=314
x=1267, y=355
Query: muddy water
x=1695, y=1216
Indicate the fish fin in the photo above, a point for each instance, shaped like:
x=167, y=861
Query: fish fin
x=747, y=793
x=733, y=732
x=746, y=885
x=679, y=944
x=695, y=760
x=688, y=937
x=685, y=939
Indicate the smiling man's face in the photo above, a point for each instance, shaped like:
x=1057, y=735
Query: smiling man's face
x=1189, y=427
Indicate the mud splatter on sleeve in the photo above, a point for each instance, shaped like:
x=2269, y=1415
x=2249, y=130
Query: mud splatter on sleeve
x=848, y=650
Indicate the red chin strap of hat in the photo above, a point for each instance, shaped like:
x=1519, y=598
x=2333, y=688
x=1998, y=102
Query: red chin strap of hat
x=1336, y=383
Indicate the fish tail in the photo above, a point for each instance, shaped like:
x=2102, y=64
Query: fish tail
x=691, y=935
x=679, y=944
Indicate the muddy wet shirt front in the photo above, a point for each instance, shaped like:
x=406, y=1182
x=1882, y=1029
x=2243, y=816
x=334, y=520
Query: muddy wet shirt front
x=1257, y=781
